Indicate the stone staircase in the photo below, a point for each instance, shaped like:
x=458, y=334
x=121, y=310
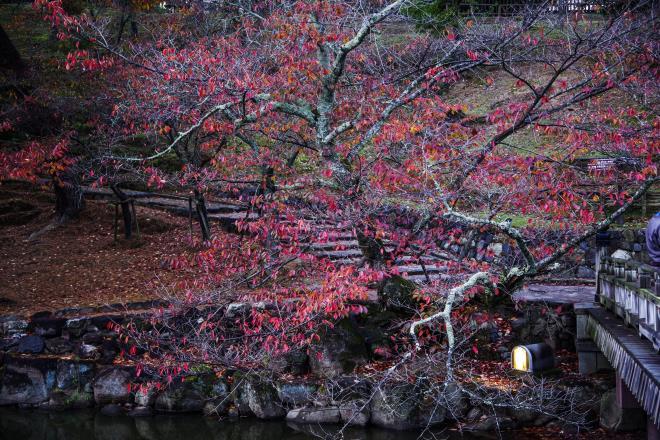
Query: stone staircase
x=342, y=248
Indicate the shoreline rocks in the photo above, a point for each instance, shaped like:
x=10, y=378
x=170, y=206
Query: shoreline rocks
x=67, y=362
x=66, y=384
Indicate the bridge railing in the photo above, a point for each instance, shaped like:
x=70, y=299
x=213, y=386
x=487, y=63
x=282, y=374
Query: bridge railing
x=631, y=290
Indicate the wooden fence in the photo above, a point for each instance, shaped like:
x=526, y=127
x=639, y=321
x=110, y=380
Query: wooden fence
x=650, y=202
x=506, y=8
x=631, y=290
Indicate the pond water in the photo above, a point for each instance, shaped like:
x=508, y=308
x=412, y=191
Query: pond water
x=87, y=425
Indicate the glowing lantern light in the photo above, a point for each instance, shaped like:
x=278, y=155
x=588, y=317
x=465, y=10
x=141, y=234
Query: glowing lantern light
x=532, y=358
x=519, y=358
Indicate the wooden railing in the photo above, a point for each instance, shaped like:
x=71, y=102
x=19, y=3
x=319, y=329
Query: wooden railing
x=631, y=290
x=515, y=7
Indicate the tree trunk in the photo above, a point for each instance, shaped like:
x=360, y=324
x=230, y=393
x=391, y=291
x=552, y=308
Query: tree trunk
x=267, y=181
x=69, y=197
x=9, y=56
x=125, y=18
x=373, y=250
x=69, y=202
x=125, y=211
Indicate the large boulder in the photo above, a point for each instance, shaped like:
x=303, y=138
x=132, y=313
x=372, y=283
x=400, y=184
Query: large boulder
x=59, y=345
x=25, y=384
x=355, y=412
x=69, y=399
x=294, y=394
x=396, y=293
x=294, y=361
x=585, y=272
x=339, y=351
x=456, y=401
x=220, y=398
x=403, y=405
x=75, y=375
x=145, y=396
x=9, y=344
x=491, y=423
x=141, y=411
x=112, y=410
x=180, y=398
x=587, y=402
x=615, y=418
x=88, y=351
x=254, y=396
x=111, y=386
x=523, y=415
x=620, y=254
x=31, y=344
x=76, y=326
x=44, y=324
x=202, y=392
x=322, y=415
x=12, y=325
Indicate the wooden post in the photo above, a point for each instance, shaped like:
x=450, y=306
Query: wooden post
x=202, y=213
x=652, y=430
x=644, y=205
x=125, y=210
x=624, y=398
x=190, y=217
x=643, y=278
x=116, y=219
x=137, y=226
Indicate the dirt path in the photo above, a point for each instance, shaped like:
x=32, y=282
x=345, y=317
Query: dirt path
x=79, y=264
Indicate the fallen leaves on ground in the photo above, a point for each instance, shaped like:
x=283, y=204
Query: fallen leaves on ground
x=79, y=264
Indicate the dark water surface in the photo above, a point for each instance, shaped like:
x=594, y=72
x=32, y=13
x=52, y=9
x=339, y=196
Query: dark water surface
x=87, y=425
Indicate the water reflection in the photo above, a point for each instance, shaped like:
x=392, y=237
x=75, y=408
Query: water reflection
x=87, y=425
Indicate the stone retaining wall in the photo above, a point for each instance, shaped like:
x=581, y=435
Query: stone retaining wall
x=59, y=384
x=59, y=361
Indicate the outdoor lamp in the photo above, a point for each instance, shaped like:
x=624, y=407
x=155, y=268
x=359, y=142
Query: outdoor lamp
x=532, y=358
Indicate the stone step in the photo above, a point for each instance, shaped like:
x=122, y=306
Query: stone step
x=347, y=261
x=342, y=254
x=336, y=245
x=413, y=269
x=421, y=278
x=426, y=259
x=337, y=235
x=228, y=220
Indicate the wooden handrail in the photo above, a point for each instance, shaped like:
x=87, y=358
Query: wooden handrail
x=630, y=263
x=631, y=290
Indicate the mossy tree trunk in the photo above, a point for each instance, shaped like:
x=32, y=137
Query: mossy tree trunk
x=9, y=56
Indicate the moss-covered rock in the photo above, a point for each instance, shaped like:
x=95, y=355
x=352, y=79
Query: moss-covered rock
x=374, y=327
x=396, y=293
x=25, y=381
x=69, y=399
x=339, y=351
x=180, y=397
x=255, y=396
x=403, y=406
x=111, y=386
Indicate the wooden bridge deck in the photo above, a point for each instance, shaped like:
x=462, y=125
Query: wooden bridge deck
x=635, y=359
